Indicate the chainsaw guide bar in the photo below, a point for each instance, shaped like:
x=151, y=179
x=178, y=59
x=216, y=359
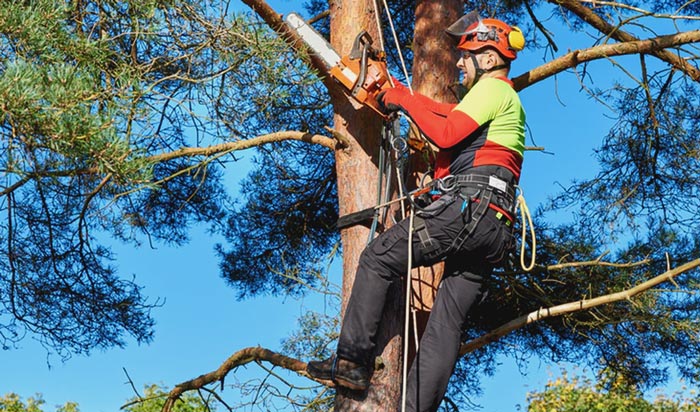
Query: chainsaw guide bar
x=363, y=72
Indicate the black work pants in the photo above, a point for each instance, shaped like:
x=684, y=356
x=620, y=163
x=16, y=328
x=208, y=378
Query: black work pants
x=385, y=260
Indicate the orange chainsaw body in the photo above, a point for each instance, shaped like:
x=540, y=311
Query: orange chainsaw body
x=363, y=72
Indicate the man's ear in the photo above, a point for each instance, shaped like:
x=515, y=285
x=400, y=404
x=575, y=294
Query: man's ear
x=491, y=60
x=497, y=60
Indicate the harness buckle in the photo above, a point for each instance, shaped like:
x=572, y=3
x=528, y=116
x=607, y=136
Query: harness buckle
x=446, y=184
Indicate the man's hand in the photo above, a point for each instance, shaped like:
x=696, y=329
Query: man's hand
x=390, y=100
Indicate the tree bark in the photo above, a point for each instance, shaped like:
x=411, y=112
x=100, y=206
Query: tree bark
x=356, y=168
x=434, y=53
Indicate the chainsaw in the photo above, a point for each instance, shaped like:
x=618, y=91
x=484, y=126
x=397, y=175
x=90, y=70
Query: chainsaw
x=362, y=73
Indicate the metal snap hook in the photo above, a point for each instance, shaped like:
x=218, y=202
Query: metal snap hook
x=399, y=145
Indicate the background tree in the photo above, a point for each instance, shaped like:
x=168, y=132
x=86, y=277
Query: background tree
x=11, y=402
x=155, y=396
x=119, y=120
x=610, y=393
x=152, y=400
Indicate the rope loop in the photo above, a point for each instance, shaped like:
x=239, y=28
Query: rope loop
x=526, y=220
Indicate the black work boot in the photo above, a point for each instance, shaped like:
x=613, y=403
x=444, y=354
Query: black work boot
x=343, y=372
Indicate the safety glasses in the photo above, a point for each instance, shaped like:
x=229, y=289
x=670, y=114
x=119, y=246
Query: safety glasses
x=466, y=54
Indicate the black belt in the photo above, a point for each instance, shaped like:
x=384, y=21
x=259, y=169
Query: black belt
x=451, y=183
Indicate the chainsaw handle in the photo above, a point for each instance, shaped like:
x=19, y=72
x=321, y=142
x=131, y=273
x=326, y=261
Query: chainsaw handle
x=359, y=47
x=362, y=76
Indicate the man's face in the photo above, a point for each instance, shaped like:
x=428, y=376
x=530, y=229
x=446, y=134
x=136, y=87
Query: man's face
x=466, y=65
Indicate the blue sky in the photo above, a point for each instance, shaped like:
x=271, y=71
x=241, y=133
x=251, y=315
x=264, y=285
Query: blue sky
x=201, y=323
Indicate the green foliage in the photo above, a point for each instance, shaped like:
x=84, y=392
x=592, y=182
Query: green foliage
x=612, y=394
x=49, y=108
x=152, y=400
x=287, y=224
x=12, y=402
x=96, y=97
x=154, y=397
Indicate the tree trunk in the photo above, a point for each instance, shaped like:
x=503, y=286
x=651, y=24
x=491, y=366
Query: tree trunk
x=357, y=172
x=356, y=168
x=434, y=72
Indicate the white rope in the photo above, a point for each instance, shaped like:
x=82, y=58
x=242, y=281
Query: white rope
x=398, y=46
x=401, y=195
x=409, y=282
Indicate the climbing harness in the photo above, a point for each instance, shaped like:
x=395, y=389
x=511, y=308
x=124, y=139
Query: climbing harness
x=472, y=188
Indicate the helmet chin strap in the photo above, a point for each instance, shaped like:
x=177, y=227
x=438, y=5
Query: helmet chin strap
x=478, y=71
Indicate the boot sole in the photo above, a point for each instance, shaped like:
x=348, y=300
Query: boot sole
x=350, y=384
x=323, y=374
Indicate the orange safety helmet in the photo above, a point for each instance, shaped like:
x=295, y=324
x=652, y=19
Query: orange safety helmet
x=473, y=34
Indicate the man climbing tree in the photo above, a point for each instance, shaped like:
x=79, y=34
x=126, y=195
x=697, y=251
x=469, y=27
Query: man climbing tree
x=481, y=143
x=119, y=119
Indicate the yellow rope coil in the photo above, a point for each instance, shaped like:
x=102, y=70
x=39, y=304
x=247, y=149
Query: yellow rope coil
x=526, y=220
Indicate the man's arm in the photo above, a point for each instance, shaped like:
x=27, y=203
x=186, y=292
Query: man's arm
x=439, y=122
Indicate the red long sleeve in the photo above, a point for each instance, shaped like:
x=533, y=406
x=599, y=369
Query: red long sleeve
x=440, y=124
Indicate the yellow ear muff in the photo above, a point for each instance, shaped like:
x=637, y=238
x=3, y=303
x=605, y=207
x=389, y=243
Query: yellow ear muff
x=516, y=40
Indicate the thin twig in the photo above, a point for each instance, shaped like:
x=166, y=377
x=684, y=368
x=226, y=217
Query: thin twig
x=615, y=4
x=131, y=382
x=541, y=27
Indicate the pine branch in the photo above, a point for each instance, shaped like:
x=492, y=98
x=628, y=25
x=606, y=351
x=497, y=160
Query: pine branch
x=596, y=262
x=195, y=151
x=576, y=57
x=590, y=17
x=245, y=144
x=242, y=357
x=571, y=307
